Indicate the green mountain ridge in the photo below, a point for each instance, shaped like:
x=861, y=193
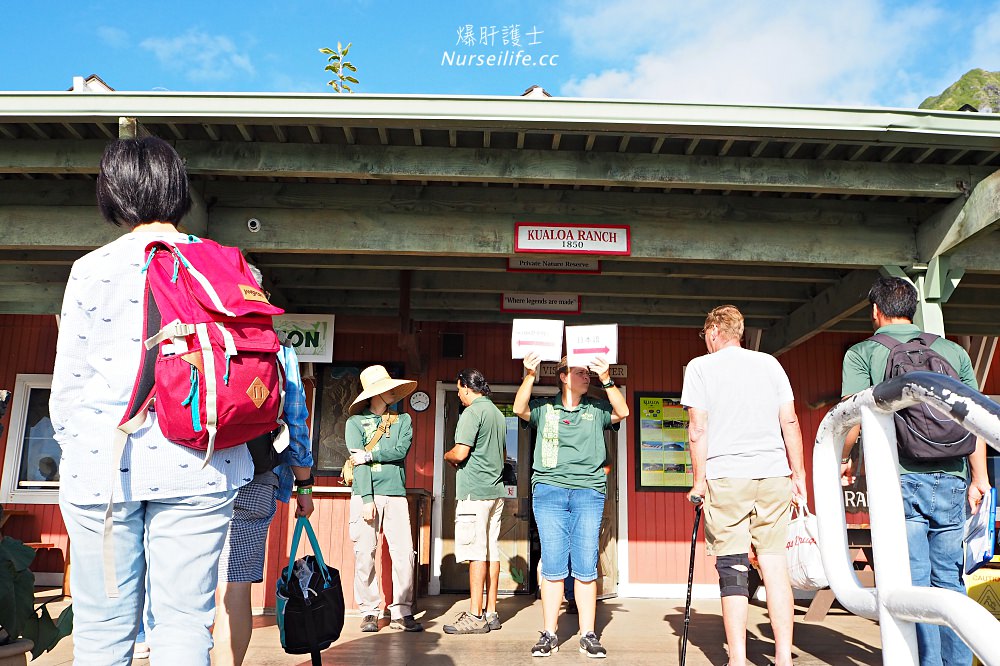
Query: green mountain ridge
x=967, y=90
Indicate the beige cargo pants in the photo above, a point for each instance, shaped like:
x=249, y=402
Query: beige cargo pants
x=392, y=519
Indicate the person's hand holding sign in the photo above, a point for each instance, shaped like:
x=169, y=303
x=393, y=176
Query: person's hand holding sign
x=600, y=367
x=531, y=361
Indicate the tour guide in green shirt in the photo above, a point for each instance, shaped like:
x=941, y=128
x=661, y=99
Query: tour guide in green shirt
x=379, y=503
x=568, y=488
x=934, y=492
x=479, y=454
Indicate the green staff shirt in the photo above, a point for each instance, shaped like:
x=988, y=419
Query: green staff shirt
x=385, y=474
x=483, y=428
x=569, y=443
x=864, y=366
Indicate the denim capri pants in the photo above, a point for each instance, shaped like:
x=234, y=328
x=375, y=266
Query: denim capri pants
x=569, y=527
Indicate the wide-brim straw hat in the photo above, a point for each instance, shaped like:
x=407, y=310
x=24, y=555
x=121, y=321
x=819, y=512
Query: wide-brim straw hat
x=375, y=380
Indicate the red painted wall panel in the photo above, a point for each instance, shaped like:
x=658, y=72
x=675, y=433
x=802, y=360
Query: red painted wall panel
x=659, y=524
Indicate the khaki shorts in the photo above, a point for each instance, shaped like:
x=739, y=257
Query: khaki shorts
x=738, y=511
x=477, y=530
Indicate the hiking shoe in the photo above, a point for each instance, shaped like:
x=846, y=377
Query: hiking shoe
x=467, y=623
x=590, y=646
x=493, y=619
x=546, y=645
x=571, y=608
x=369, y=624
x=406, y=623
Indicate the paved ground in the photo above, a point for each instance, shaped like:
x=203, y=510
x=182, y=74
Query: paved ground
x=636, y=632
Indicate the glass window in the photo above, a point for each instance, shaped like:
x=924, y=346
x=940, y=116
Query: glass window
x=338, y=386
x=31, y=458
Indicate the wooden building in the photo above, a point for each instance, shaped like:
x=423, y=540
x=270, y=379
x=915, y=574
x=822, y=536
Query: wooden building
x=397, y=215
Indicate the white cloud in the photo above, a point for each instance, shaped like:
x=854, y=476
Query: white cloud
x=733, y=51
x=114, y=37
x=986, y=43
x=204, y=57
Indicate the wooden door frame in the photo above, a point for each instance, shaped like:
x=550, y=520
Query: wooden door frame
x=441, y=390
x=437, y=544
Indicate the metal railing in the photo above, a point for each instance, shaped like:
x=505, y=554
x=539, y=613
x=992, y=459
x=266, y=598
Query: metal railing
x=894, y=601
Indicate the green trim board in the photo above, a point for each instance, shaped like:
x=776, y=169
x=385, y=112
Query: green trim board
x=663, y=454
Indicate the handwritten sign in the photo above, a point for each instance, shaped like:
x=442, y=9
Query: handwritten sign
x=542, y=336
x=585, y=343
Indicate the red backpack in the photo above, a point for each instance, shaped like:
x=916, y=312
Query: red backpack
x=210, y=363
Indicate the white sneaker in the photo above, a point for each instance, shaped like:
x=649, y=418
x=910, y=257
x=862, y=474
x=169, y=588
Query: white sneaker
x=141, y=651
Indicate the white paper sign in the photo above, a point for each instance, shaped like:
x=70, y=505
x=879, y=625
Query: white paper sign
x=585, y=343
x=542, y=336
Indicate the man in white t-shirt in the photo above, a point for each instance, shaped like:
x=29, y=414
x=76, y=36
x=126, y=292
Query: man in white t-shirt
x=746, y=455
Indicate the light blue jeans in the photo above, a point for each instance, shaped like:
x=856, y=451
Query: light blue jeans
x=569, y=527
x=167, y=549
x=935, y=509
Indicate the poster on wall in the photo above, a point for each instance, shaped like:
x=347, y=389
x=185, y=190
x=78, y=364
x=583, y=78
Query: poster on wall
x=663, y=456
x=310, y=335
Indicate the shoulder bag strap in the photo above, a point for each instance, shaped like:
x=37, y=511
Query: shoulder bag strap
x=383, y=429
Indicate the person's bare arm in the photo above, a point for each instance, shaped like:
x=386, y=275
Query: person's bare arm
x=792, y=434
x=698, y=441
x=457, y=454
x=523, y=396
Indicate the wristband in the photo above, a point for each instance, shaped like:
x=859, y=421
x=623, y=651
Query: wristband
x=844, y=461
x=607, y=385
x=304, y=491
x=368, y=456
x=308, y=481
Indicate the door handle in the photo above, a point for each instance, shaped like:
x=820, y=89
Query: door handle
x=523, y=508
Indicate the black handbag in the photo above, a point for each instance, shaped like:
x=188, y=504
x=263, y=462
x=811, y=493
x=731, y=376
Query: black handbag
x=310, y=600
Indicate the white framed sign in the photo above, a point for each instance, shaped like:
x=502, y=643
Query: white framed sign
x=572, y=238
x=542, y=336
x=310, y=335
x=546, y=303
x=585, y=343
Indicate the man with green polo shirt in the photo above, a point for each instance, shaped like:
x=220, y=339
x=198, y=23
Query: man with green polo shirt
x=934, y=491
x=479, y=454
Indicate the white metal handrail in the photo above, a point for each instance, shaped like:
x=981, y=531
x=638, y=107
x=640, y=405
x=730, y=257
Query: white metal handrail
x=895, y=602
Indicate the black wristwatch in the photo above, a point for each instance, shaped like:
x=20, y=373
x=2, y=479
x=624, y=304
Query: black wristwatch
x=609, y=384
x=308, y=481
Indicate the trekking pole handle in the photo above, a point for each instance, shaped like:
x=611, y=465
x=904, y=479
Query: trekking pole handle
x=697, y=500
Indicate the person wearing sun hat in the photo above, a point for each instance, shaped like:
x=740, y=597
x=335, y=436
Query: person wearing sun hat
x=379, y=496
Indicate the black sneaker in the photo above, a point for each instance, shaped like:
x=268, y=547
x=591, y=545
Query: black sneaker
x=590, y=646
x=571, y=608
x=494, y=621
x=406, y=623
x=369, y=624
x=546, y=645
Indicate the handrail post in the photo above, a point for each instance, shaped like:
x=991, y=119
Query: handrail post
x=888, y=529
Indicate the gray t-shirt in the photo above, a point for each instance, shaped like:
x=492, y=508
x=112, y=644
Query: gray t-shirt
x=742, y=391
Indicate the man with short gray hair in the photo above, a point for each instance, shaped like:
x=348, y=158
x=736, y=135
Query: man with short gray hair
x=745, y=444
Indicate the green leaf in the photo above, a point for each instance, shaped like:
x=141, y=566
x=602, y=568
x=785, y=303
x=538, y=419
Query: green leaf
x=351, y=79
x=339, y=47
x=46, y=634
x=350, y=67
x=348, y=88
x=15, y=552
x=344, y=52
x=326, y=51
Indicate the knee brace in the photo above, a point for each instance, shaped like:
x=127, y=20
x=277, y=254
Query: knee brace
x=734, y=574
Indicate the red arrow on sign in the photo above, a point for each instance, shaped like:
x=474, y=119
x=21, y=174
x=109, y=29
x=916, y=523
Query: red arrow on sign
x=596, y=350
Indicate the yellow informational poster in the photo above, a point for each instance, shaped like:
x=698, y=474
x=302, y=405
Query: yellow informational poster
x=663, y=460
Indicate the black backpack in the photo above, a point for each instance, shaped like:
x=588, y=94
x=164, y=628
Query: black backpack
x=923, y=433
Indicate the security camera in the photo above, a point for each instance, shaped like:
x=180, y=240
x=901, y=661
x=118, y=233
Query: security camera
x=253, y=224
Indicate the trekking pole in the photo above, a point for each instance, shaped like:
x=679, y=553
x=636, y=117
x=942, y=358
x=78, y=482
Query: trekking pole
x=697, y=501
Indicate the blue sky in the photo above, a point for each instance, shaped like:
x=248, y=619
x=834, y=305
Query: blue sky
x=848, y=53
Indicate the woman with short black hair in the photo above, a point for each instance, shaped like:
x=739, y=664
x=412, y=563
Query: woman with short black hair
x=170, y=512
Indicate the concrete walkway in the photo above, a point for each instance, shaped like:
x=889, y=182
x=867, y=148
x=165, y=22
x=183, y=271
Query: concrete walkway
x=636, y=632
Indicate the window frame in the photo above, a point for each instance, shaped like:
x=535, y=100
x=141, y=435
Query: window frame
x=14, y=449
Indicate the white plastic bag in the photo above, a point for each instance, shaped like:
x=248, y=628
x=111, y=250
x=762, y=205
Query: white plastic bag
x=805, y=565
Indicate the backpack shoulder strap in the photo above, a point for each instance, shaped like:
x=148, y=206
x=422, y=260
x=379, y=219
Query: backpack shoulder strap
x=928, y=338
x=885, y=340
